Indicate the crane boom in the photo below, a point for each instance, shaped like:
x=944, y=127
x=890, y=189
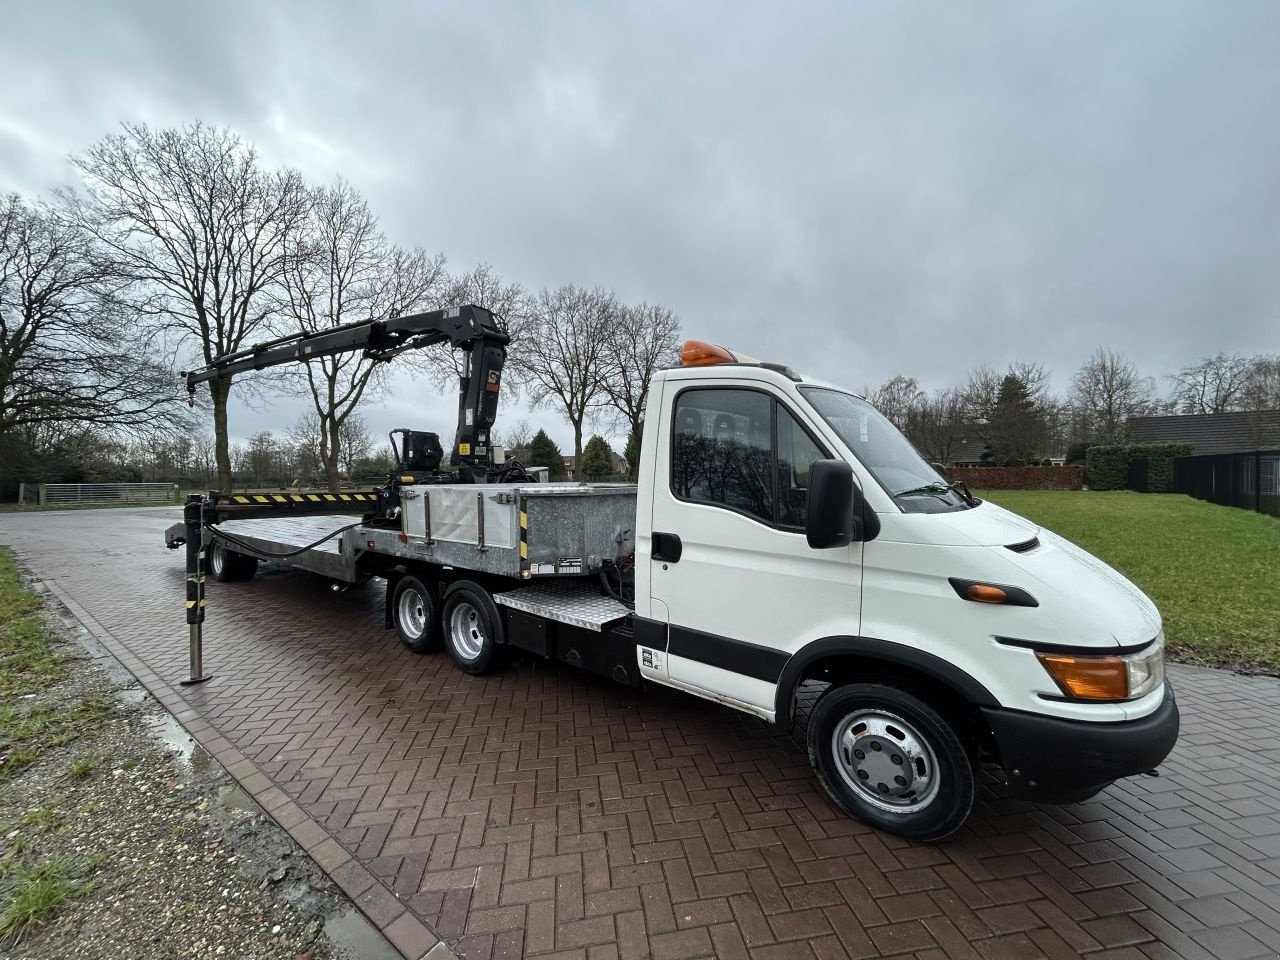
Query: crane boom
x=470, y=328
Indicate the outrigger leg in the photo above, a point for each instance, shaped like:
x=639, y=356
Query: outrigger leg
x=193, y=517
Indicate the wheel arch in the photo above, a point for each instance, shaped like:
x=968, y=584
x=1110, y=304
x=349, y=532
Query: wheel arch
x=867, y=658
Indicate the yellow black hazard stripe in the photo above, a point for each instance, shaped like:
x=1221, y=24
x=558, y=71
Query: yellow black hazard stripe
x=524, y=536
x=259, y=499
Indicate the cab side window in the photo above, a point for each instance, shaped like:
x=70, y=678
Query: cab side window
x=722, y=450
x=796, y=451
x=724, y=453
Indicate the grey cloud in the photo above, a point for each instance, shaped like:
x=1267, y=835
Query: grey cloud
x=860, y=190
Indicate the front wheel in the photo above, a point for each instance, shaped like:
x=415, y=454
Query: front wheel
x=472, y=627
x=891, y=760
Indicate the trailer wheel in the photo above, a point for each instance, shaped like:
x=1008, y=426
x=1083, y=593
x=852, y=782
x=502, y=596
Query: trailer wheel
x=891, y=760
x=415, y=615
x=227, y=565
x=473, y=630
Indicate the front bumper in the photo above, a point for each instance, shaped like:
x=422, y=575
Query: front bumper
x=1063, y=761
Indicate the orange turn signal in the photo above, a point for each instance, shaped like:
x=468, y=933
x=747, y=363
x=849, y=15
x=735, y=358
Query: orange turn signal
x=696, y=353
x=985, y=593
x=1088, y=678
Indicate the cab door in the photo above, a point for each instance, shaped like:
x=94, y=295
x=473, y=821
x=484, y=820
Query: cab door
x=729, y=563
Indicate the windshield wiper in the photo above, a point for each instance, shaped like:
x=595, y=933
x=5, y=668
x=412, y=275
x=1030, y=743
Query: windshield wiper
x=936, y=489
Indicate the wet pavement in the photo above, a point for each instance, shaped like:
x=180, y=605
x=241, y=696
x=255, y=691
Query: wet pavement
x=542, y=811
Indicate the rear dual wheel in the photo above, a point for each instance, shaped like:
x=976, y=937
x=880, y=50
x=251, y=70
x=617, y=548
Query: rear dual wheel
x=465, y=621
x=415, y=608
x=473, y=630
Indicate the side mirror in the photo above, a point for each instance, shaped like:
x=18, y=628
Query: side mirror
x=835, y=504
x=942, y=471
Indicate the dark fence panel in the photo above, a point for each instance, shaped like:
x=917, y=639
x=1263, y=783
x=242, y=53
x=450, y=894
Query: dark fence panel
x=1250, y=481
x=1138, y=473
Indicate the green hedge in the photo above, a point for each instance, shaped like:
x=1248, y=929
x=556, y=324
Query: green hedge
x=1107, y=466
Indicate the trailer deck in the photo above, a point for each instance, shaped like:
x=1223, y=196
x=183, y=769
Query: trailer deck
x=275, y=535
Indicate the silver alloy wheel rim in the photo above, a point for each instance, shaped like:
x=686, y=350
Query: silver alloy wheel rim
x=886, y=761
x=413, y=613
x=216, y=559
x=466, y=631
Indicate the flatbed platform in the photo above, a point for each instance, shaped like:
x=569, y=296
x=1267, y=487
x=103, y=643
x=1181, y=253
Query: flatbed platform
x=269, y=536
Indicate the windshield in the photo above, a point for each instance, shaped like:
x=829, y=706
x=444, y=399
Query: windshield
x=882, y=449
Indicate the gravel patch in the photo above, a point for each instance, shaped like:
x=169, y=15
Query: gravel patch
x=170, y=859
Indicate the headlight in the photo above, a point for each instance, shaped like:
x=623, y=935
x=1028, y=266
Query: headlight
x=1108, y=678
x=1146, y=669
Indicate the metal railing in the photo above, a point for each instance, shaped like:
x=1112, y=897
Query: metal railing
x=107, y=493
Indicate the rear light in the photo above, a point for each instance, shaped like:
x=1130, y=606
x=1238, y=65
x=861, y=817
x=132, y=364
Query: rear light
x=1107, y=678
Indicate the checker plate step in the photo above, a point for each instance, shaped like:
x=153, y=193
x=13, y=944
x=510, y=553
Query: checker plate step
x=571, y=601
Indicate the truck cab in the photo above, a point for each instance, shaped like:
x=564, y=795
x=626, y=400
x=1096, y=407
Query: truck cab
x=788, y=537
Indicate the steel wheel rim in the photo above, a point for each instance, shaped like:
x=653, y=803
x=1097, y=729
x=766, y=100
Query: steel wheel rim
x=466, y=631
x=865, y=744
x=216, y=559
x=413, y=612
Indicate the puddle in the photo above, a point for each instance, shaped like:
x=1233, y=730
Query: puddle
x=356, y=939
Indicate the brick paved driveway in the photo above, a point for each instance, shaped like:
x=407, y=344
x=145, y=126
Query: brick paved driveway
x=541, y=811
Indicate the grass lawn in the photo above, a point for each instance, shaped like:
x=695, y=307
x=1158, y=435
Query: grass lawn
x=1213, y=571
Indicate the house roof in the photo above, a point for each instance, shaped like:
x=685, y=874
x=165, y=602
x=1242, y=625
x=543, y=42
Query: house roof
x=1212, y=432
x=969, y=450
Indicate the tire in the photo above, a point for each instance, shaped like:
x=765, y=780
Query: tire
x=472, y=626
x=228, y=566
x=856, y=732
x=414, y=607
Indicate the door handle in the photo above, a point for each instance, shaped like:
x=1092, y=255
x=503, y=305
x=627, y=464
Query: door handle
x=667, y=547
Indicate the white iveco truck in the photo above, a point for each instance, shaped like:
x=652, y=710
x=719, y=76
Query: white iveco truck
x=781, y=532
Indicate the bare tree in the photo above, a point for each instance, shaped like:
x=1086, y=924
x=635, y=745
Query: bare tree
x=1106, y=392
x=306, y=436
x=517, y=437
x=239, y=456
x=896, y=399
x=480, y=287
x=262, y=458
x=563, y=363
x=1214, y=385
x=68, y=353
x=354, y=442
x=197, y=230
x=344, y=270
x=1262, y=389
x=204, y=456
x=937, y=425
x=980, y=394
x=639, y=341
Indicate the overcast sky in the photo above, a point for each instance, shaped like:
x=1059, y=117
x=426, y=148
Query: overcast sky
x=857, y=189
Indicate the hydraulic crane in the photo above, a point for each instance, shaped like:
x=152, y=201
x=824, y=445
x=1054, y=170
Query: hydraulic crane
x=472, y=329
